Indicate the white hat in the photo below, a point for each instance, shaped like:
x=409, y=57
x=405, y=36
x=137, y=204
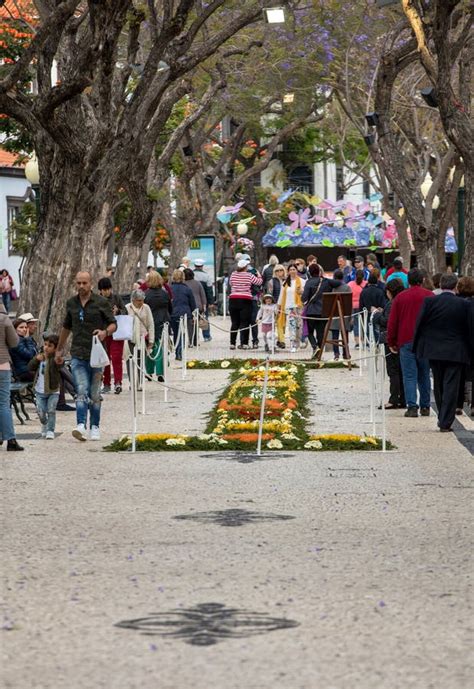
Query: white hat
x=28, y=317
x=243, y=263
x=246, y=257
x=199, y=262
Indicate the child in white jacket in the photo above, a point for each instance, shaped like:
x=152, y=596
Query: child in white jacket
x=266, y=316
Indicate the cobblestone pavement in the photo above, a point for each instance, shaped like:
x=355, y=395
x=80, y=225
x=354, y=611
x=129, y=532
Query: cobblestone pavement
x=300, y=571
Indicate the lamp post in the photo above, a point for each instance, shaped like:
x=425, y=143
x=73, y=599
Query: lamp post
x=33, y=176
x=274, y=15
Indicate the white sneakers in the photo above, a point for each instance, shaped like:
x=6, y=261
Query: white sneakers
x=80, y=432
x=94, y=433
x=49, y=435
x=43, y=431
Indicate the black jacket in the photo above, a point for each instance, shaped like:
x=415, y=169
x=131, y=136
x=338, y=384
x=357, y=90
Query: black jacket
x=380, y=321
x=315, y=307
x=444, y=329
x=159, y=302
x=370, y=296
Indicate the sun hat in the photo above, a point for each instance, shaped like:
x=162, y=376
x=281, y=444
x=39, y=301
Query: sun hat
x=28, y=317
x=268, y=296
x=199, y=262
x=243, y=263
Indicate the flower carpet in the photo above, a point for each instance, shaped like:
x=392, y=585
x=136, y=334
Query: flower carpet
x=199, y=364
x=234, y=421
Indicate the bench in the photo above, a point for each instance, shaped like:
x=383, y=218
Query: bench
x=18, y=397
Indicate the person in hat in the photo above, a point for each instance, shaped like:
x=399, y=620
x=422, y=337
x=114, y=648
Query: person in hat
x=31, y=321
x=206, y=280
x=266, y=316
x=359, y=264
x=23, y=352
x=240, y=303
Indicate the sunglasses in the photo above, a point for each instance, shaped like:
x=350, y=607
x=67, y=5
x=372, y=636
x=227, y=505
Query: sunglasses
x=81, y=315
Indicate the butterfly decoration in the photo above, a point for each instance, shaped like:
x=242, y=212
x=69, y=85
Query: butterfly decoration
x=226, y=213
x=264, y=211
x=285, y=195
x=312, y=200
x=324, y=205
x=244, y=220
x=300, y=219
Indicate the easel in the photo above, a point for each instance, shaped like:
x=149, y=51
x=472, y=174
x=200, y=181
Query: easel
x=336, y=305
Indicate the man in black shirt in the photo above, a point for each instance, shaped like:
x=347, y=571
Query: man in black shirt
x=87, y=314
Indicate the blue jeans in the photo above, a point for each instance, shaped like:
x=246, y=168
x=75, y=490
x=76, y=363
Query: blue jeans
x=416, y=375
x=87, y=381
x=7, y=431
x=46, y=406
x=6, y=298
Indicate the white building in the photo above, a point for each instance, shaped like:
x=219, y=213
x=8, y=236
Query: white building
x=14, y=191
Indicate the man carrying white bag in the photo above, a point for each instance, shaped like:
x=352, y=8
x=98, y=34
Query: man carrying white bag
x=90, y=319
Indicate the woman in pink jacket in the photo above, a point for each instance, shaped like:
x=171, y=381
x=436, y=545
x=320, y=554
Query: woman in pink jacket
x=356, y=286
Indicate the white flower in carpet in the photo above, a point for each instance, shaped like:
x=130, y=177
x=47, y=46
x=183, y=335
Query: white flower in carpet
x=274, y=444
x=313, y=445
x=225, y=364
x=363, y=440
x=289, y=436
x=222, y=441
x=176, y=441
x=204, y=436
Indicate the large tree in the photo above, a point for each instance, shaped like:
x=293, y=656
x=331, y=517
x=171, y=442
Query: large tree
x=121, y=67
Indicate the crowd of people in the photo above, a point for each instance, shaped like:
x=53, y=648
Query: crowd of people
x=422, y=323
x=417, y=335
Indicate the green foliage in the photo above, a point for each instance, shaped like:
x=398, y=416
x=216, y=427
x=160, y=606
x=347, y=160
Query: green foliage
x=24, y=228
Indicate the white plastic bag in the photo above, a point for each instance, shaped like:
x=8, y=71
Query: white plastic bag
x=99, y=358
x=124, y=328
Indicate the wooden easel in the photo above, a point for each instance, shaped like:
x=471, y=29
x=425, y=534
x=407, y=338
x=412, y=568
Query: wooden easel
x=336, y=305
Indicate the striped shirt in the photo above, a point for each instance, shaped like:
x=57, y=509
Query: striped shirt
x=241, y=284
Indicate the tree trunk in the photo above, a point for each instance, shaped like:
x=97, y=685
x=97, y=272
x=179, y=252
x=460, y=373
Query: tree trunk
x=404, y=246
x=74, y=228
x=145, y=250
x=467, y=265
x=180, y=243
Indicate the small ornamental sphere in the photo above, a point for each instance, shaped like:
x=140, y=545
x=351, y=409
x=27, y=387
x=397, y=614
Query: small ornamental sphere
x=242, y=228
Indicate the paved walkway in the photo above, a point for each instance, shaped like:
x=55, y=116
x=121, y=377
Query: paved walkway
x=298, y=571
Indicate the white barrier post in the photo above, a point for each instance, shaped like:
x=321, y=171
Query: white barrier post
x=184, y=345
x=133, y=390
x=195, y=329
x=224, y=299
x=262, y=408
x=165, y=351
x=273, y=333
x=371, y=372
x=382, y=384
x=361, y=351
x=143, y=371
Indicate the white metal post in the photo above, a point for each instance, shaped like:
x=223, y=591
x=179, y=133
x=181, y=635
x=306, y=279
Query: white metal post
x=273, y=333
x=224, y=299
x=133, y=390
x=184, y=345
x=262, y=408
x=165, y=351
x=382, y=384
x=143, y=371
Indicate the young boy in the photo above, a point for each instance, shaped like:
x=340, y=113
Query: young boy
x=46, y=385
x=267, y=317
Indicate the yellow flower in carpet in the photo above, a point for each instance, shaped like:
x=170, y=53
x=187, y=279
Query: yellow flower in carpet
x=371, y=440
x=275, y=444
x=225, y=364
x=176, y=441
x=158, y=436
x=191, y=364
x=344, y=437
x=313, y=445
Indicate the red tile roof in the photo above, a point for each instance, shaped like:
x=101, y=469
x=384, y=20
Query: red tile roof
x=10, y=9
x=8, y=159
